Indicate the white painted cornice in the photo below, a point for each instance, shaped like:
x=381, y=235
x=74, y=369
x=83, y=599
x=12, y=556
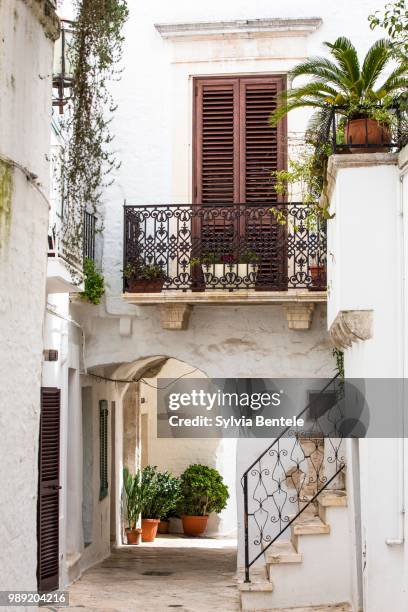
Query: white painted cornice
x=240, y=28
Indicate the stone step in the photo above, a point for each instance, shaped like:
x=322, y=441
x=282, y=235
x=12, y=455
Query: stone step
x=260, y=582
x=332, y=498
x=307, y=525
x=283, y=552
x=340, y=607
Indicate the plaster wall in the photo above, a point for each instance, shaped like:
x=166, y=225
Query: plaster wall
x=367, y=247
x=25, y=92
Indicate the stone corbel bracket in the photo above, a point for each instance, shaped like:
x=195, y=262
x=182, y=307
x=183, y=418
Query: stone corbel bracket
x=175, y=316
x=299, y=315
x=351, y=326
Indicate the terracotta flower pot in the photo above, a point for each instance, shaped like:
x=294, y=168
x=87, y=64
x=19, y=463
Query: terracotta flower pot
x=133, y=536
x=163, y=527
x=367, y=131
x=146, y=286
x=318, y=275
x=149, y=529
x=194, y=525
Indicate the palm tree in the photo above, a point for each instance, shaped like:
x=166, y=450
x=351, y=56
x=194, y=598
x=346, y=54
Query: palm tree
x=343, y=83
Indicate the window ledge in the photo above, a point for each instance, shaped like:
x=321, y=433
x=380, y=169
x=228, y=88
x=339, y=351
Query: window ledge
x=241, y=28
x=241, y=296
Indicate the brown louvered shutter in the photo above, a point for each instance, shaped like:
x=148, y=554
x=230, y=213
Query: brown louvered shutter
x=261, y=146
x=262, y=151
x=48, y=494
x=235, y=152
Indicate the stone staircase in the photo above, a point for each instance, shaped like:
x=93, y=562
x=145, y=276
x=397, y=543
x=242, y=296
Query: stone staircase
x=311, y=569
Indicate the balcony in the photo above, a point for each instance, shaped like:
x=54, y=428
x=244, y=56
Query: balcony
x=223, y=253
x=65, y=262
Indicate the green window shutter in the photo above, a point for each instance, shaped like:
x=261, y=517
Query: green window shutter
x=103, y=448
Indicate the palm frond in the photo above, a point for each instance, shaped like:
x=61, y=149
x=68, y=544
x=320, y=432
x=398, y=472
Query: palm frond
x=396, y=80
x=375, y=61
x=346, y=55
x=323, y=69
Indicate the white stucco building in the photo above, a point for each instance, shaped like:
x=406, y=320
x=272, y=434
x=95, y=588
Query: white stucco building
x=25, y=114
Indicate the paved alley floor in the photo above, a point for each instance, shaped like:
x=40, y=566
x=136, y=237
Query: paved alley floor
x=172, y=573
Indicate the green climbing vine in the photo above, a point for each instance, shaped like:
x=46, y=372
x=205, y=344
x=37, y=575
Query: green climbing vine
x=87, y=160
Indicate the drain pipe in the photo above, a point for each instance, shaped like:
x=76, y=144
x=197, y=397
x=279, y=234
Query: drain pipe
x=399, y=541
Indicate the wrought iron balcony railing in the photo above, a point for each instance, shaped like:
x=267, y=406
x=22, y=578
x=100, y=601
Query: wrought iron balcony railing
x=223, y=246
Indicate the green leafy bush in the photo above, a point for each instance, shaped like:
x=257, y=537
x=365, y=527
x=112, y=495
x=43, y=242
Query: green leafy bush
x=161, y=493
x=202, y=490
x=94, y=283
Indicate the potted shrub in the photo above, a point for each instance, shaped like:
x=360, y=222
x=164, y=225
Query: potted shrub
x=133, y=501
x=146, y=278
x=216, y=267
x=317, y=272
x=248, y=264
x=168, y=492
x=354, y=90
x=151, y=508
x=202, y=492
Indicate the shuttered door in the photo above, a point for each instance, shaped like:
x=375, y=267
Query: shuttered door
x=235, y=152
x=48, y=496
x=262, y=151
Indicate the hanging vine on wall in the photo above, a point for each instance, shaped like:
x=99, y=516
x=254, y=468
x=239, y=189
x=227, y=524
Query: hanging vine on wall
x=87, y=160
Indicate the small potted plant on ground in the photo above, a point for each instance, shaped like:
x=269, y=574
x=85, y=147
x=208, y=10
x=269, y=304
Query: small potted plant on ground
x=151, y=507
x=144, y=278
x=168, y=492
x=133, y=500
x=202, y=492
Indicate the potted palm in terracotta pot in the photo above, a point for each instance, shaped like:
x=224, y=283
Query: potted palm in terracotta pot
x=133, y=504
x=362, y=93
x=203, y=491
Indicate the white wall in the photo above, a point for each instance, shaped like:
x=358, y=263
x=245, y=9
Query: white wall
x=367, y=250
x=25, y=91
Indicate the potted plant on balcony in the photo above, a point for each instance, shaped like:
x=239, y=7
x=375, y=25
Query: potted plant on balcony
x=317, y=272
x=203, y=491
x=248, y=264
x=352, y=90
x=133, y=503
x=144, y=278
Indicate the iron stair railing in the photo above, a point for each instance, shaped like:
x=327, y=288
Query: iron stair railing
x=290, y=474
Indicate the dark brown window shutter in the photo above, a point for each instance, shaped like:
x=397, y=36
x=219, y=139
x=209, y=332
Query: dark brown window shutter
x=48, y=495
x=235, y=148
x=262, y=147
x=216, y=136
x=103, y=448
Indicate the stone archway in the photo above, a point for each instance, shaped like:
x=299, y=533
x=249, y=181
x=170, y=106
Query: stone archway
x=136, y=407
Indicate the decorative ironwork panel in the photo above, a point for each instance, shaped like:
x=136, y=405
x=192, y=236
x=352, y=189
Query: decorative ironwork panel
x=225, y=246
x=286, y=479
